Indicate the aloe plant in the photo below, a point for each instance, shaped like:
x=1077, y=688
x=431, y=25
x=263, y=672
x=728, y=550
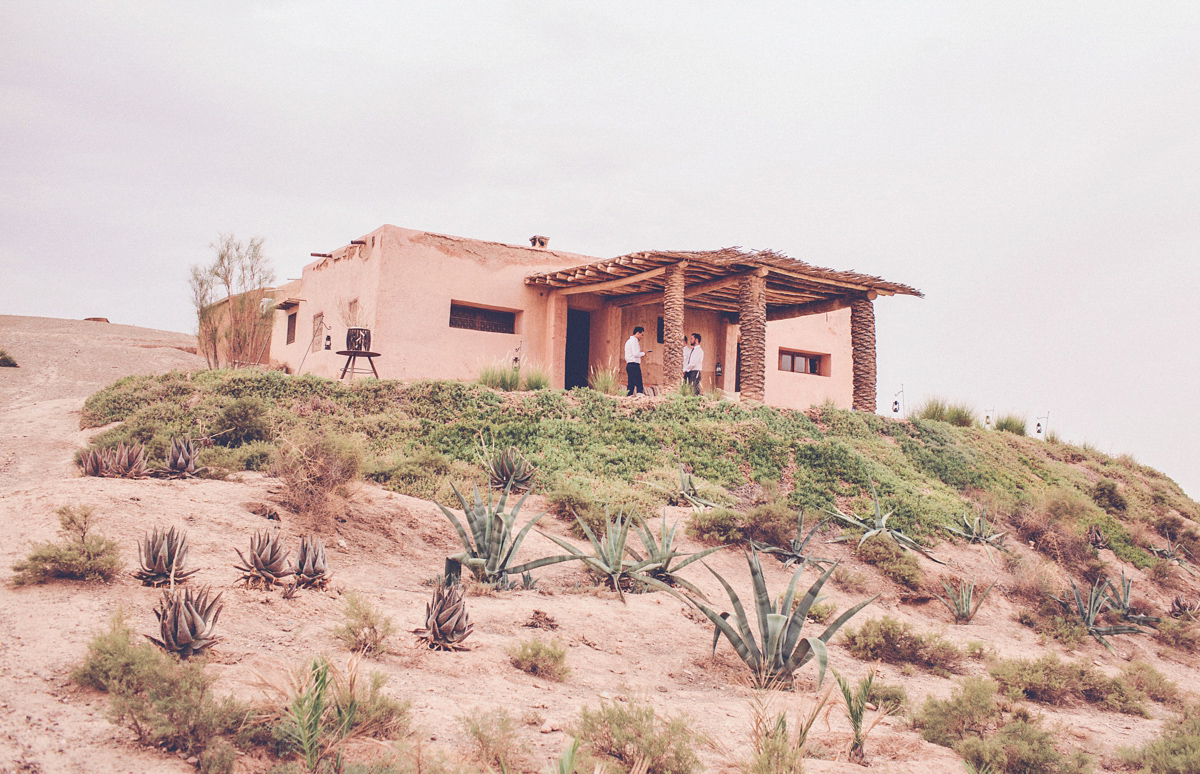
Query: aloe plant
x=1175, y=552
x=978, y=530
x=880, y=527
x=687, y=493
x=489, y=546
x=1098, y=602
x=660, y=555
x=795, y=554
x=779, y=649
x=1122, y=603
x=608, y=557
x=961, y=600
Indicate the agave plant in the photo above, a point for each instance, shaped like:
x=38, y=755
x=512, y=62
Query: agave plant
x=490, y=546
x=1175, y=552
x=181, y=459
x=1098, y=602
x=162, y=555
x=446, y=620
x=510, y=470
x=880, y=527
x=979, y=530
x=127, y=461
x=186, y=619
x=91, y=462
x=608, y=557
x=795, y=553
x=687, y=491
x=267, y=562
x=961, y=600
x=660, y=555
x=779, y=650
x=312, y=570
x=1182, y=608
x=1122, y=603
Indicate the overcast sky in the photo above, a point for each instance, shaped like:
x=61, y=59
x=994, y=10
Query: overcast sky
x=1034, y=168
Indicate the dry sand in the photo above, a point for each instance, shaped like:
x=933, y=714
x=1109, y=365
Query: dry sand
x=652, y=646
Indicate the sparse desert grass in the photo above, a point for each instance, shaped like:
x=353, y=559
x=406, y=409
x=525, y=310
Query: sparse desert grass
x=957, y=414
x=891, y=560
x=630, y=731
x=365, y=629
x=1178, y=634
x=313, y=468
x=1145, y=678
x=495, y=739
x=605, y=380
x=534, y=377
x=1175, y=751
x=850, y=580
x=896, y=642
x=1011, y=423
x=820, y=612
x=79, y=555
x=501, y=375
x=541, y=659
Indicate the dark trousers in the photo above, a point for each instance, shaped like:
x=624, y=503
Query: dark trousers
x=692, y=378
x=633, y=376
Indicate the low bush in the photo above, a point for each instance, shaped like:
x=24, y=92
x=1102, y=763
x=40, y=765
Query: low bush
x=606, y=381
x=1011, y=423
x=971, y=710
x=1175, y=751
x=820, y=612
x=312, y=469
x=80, y=555
x=896, y=642
x=630, y=731
x=244, y=421
x=1051, y=681
x=500, y=375
x=6, y=360
x=1178, y=634
x=166, y=702
x=716, y=525
x=957, y=414
x=534, y=378
x=890, y=698
x=770, y=523
x=365, y=629
x=1106, y=494
x=891, y=560
x=541, y=659
x=1145, y=678
x=494, y=738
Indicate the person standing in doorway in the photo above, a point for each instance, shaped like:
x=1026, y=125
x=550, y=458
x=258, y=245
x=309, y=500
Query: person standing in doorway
x=693, y=361
x=633, y=361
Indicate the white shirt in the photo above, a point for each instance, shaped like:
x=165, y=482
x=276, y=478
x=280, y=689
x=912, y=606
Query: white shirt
x=633, y=351
x=693, y=358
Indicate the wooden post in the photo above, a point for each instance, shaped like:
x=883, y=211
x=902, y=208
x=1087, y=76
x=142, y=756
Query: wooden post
x=672, y=358
x=862, y=346
x=752, y=316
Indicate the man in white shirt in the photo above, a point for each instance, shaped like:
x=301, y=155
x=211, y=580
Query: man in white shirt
x=693, y=361
x=633, y=361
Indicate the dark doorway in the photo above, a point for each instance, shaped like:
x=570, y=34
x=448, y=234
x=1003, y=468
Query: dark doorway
x=737, y=370
x=579, y=333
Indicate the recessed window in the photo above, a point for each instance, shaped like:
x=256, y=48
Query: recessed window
x=662, y=331
x=803, y=362
x=477, y=318
x=291, y=331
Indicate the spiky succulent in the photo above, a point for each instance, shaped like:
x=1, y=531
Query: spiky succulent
x=510, y=470
x=121, y=461
x=162, y=554
x=267, y=562
x=1098, y=601
x=181, y=459
x=880, y=527
x=446, y=620
x=186, y=619
x=1186, y=609
x=979, y=530
x=797, y=553
x=312, y=571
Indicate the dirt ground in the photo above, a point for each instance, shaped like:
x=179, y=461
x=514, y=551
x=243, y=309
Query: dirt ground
x=652, y=646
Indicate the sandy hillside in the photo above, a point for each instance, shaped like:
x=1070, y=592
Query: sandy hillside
x=390, y=545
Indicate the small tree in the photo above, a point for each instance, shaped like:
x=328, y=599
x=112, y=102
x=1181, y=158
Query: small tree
x=241, y=321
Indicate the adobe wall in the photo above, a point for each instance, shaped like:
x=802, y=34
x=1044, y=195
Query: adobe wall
x=819, y=333
x=407, y=280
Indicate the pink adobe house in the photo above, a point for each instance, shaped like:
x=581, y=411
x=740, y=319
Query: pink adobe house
x=774, y=329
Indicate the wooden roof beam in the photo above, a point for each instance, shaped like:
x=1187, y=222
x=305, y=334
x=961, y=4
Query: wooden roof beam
x=596, y=287
x=689, y=291
x=815, y=307
x=820, y=280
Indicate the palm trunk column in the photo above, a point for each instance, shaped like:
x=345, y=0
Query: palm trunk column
x=673, y=326
x=752, y=316
x=862, y=347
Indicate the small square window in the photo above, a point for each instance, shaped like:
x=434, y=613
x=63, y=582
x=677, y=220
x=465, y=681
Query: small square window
x=803, y=363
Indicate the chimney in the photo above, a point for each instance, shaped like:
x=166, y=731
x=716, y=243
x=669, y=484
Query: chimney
x=539, y=241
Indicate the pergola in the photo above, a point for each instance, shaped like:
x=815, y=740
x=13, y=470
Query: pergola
x=752, y=287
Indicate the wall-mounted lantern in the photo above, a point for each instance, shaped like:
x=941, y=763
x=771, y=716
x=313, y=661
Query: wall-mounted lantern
x=328, y=342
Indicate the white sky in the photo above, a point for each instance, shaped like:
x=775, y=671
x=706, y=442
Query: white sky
x=1034, y=168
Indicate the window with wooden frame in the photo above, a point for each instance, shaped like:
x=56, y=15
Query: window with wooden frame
x=318, y=339
x=479, y=318
x=803, y=362
x=291, y=329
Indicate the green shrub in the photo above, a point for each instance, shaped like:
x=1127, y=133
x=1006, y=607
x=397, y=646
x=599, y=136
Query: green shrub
x=494, y=738
x=78, y=556
x=570, y=498
x=500, y=375
x=957, y=414
x=243, y=421
x=168, y=703
x=1051, y=681
x=535, y=378
x=1175, y=751
x=541, y=659
x=606, y=381
x=629, y=731
x=891, y=560
x=820, y=612
x=365, y=629
x=890, y=698
x=1109, y=497
x=6, y=360
x=716, y=525
x=970, y=711
x=312, y=468
x=1145, y=678
x=896, y=642
x=1178, y=634
x=772, y=523
x=1011, y=423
